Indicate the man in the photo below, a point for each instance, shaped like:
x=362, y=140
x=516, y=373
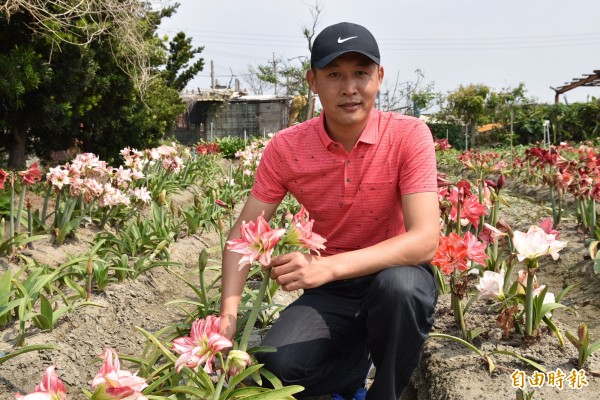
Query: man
x=369, y=180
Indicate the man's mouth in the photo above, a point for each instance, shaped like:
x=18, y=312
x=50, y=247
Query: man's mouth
x=350, y=106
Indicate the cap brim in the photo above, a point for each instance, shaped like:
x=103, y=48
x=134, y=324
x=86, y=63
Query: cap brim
x=323, y=62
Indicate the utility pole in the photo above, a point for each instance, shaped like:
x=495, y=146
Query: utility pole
x=274, y=64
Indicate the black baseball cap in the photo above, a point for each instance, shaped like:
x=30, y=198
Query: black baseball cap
x=342, y=38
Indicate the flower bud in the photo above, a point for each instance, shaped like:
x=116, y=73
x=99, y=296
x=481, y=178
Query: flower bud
x=500, y=183
x=238, y=361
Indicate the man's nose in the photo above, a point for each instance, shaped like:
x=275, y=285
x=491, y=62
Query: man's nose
x=349, y=86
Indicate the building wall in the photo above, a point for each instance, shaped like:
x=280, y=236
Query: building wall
x=230, y=119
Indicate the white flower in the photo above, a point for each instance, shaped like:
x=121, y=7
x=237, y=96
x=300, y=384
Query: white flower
x=490, y=285
x=536, y=243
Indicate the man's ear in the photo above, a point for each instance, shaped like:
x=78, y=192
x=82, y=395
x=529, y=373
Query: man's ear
x=381, y=73
x=310, y=78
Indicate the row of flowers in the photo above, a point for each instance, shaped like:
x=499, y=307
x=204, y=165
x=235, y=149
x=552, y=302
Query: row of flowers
x=474, y=239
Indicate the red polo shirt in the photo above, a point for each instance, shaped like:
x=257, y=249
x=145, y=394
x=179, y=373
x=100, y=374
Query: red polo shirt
x=354, y=198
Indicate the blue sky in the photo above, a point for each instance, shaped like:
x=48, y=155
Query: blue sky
x=499, y=43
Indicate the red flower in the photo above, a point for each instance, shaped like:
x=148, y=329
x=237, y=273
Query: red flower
x=451, y=254
x=546, y=225
x=3, y=177
x=456, y=253
x=475, y=249
x=32, y=175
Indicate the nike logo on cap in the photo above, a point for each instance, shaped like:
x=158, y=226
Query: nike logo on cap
x=340, y=40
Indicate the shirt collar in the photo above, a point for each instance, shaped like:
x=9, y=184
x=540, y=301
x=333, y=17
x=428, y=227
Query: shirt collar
x=369, y=135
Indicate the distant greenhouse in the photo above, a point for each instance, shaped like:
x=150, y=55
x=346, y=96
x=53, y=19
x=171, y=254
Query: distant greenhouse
x=216, y=113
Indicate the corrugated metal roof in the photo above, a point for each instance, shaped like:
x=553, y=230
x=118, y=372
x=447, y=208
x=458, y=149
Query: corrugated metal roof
x=228, y=95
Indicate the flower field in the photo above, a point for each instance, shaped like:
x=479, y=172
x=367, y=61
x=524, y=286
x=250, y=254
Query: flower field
x=123, y=263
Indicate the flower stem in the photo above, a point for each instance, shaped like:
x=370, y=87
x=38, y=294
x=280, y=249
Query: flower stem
x=461, y=318
x=254, y=313
x=45, y=207
x=529, y=303
x=202, y=261
x=221, y=381
x=11, y=229
x=20, y=209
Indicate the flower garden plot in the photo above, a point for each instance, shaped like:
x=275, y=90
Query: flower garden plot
x=129, y=293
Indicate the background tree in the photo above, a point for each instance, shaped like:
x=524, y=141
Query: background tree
x=178, y=72
x=468, y=105
x=409, y=97
x=84, y=93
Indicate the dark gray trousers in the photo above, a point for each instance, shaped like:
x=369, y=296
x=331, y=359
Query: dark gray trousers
x=327, y=339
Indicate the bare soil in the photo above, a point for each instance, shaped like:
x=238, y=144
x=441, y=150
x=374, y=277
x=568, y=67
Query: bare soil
x=448, y=370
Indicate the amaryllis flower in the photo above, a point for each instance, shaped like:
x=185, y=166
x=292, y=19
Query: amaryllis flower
x=136, y=175
x=116, y=383
x=92, y=190
x=475, y=249
x=490, y=285
x=51, y=388
x=257, y=241
x=470, y=211
x=301, y=233
x=142, y=194
x=173, y=164
x=451, y=254
x=58, y=177
x=536, y=243
x=549, y=297
x=3, y=177
x=455, y=252
x=32, y=175
x=522, y=279
x=200, y=348
x=490, y=234
x=238, y=361
x=123, y=175
x=546, y=225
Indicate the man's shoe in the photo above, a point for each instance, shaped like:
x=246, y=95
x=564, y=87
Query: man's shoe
x=360, y=394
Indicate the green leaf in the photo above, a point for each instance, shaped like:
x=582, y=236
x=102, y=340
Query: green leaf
x=597, y=263
x=554, y=329
x=524, y=359
x=193, y=391
x=46, y=310
x=574, y=340
x=75, y=286
x=27, y=349
x=594, y=347
x=233, y=382
x=276, y=394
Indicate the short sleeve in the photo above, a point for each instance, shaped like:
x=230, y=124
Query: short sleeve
x=418, y=170
x=269, y=181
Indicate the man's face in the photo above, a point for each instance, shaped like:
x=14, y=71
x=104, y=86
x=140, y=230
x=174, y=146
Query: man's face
x=347, y=88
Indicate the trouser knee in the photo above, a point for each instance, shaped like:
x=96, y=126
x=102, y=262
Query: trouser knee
x=405, y=286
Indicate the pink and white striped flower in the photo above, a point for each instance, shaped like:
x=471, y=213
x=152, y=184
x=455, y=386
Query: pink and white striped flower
x=118, y=384
x=201, y=346
x=58, y=177
x=257, y=241
x=142, y=194
x=51, y=388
